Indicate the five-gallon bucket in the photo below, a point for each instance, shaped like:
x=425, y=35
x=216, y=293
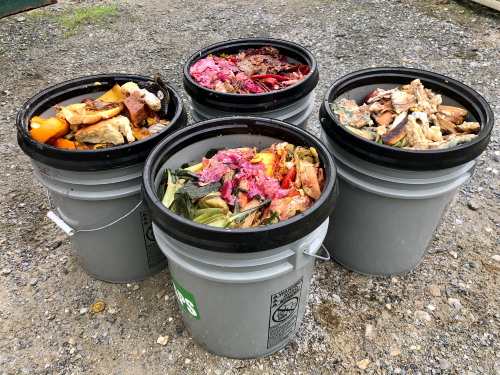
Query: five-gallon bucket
x=241, y=292
x=97, y=192
x=293, y=104
x=392, y=199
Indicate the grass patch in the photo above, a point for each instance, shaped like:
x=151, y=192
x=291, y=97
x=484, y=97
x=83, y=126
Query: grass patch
x=37, y=15
x=74, y=18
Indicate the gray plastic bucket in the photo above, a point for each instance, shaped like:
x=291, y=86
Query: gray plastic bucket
x=296, y=113
x=293, y=104
x=242, y=305
x=109, y=228
x=241, y=292
x=385, y=219
x=97, y=193
x=392, y=199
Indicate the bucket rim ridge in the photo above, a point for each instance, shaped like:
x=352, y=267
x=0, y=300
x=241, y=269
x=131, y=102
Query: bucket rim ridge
x=403, y=159
x=237, y=240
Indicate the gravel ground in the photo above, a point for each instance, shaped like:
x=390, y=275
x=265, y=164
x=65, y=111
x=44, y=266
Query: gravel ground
x=353, y=323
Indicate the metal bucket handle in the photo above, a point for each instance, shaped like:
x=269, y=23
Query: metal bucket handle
x=70, y=231
x=305, y=252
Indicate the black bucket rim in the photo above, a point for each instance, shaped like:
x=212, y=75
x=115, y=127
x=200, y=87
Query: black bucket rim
x=399, y=158
x=236, y=240
x=95, y=160
x=239, y=103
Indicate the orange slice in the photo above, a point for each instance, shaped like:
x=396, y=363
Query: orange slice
x=64, y=143
x=43, y=130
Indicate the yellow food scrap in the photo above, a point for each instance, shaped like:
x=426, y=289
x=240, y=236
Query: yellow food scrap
x=269, y=159
x=113, y=95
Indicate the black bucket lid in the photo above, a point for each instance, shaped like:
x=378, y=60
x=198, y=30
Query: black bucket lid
x=251, y=103
x=91, y=160
x=237, y=240
x=356, y=85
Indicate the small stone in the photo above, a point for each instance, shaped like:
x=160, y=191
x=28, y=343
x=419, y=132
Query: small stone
x=133, y=352
x=33, y=281
x=72, y=341
x=458, y=305
x=472, y=264
x=473, y=205
x=55, y=245
x=161, y=294
x=496, y=258
x=15, y=288
x=21, y=19
x=65, y=271
x=454, y=254
x=451, y=301
x=394, y=280
x=136, y=287
x=112, y=311
x=369, y=330
x=363, y=364
x=166, y=297
x=84, y=310
x=422, y=315
x=434, y=290
x=444, y=364
x=430, y=307
x=162, y=340
x=187, y=361
x=388, y=306
x=394, y=351
x=7, y=271
x=72, y=350
x=295, y=346
x=51, y=317
x=458, y=221
x=79, y=347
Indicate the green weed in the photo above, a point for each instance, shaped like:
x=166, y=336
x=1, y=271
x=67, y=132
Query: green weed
x=71, y=19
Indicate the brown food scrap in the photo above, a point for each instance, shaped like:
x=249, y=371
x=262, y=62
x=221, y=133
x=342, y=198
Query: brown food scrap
x=416, y=137
x=453, y=114
x=397, y=131
x=470, y=127
x=362, y=133
x=135, y=106
x=446, y=125
x=402, y=101
x=350, y=114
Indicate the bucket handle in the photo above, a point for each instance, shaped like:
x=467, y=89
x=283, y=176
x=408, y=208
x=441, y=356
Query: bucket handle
x=305, y=252
x=70, y=231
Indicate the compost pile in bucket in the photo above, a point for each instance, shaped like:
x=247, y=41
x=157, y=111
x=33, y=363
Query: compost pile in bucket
x=251, y=71
x=243, y=188
x=124, y=114
x=411, y=118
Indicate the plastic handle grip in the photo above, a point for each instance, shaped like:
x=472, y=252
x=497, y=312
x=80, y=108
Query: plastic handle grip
x=60, y=223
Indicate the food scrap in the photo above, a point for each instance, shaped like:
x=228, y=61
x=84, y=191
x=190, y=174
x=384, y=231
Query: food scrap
x=124, y=114
x=251, y=71
x=243, y=188
x=411, y=118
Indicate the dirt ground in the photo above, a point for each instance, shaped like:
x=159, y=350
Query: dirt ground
x=353, y=323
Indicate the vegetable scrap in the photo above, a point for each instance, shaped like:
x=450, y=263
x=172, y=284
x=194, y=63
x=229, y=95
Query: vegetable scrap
x=411, y=118
x=251, y=71
x=124, y=114
x=243, y=188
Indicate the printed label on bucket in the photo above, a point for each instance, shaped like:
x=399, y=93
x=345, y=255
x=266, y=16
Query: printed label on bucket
x=283, y=314
x=186, y=299
x=153, y=251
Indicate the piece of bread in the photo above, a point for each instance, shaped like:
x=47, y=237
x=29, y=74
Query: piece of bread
x=107, y=131
x=92, y=116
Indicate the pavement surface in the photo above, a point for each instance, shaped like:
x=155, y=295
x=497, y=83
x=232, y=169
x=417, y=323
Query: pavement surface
x=399, y=325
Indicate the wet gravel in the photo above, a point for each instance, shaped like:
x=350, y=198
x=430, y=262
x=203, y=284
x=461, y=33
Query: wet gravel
x=441, y=318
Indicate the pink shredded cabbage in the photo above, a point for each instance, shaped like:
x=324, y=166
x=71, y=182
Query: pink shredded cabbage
x=259, y=182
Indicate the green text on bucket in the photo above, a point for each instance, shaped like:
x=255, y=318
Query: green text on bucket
x=186, y=299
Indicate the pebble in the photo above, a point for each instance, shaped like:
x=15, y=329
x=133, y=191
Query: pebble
x=135, y=287
x=33, y=281
x=454, y=254
x=388, y=306
x=112, y=311
x=422, y=315
x=430, y=307
x=161, y=294
x=162, y=340
x=369, y=330
x=84, y=310
x=15, y=288
x=21, y=19
x=444, y=364
x=473, y=205
x=363, y=364
x=458, y=222
x=395, y=351
x=394, y=280
x=7, y=271
x=187, y=361
x=458, y=305
x=72, y=341
x=434, y=290
x=472, y=264
x=496, y=258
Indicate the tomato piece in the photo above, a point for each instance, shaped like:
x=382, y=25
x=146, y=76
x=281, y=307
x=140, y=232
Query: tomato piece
x=290, y=176
x=233, y=59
